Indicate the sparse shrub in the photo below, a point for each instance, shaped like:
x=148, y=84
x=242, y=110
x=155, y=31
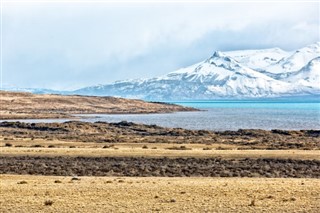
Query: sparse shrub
x=36, y=146
x=145, y=147
x=179, y=148
x=222, y=148
x=75, y=178
x=156, y=196
x=48, y=203
x=107, y=146
x=57, y=181
x=51, y=146
x=120, y=181
x=253, y=203
x=8, y=145
x=18, y=146
x=22, y=182
x=109, y=181
x=207, y=148
x=270, y=197
x=173, y=200
x=72, y=147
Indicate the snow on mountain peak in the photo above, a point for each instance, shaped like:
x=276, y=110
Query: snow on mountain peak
x=314, y=46
x=219, y=59
x=314, y=62
x=258, y=59
x=308, y=76
x=297, y=60
x=217, y=54
x=235, y=74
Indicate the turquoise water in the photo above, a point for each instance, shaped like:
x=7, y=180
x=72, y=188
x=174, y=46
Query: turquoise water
x=253, y=105
x=226, y=115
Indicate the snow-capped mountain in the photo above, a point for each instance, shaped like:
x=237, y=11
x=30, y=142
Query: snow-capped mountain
x=238, y=74
x=308, y=76
x=259, y=59
x=295, y=61
x=223, y=76
x=34, y=90
x=264, y=73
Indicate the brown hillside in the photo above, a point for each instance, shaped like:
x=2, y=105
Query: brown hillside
x=21, y=105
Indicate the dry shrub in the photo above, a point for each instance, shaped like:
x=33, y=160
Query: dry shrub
x=179, y=148
x=48, y=203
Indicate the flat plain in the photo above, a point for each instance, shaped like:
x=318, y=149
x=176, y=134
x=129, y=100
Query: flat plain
x=26, y=193
x=126, y=167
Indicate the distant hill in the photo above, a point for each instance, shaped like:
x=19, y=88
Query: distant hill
x=21, y=105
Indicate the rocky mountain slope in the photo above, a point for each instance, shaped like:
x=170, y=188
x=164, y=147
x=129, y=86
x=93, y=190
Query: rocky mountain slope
x=243, y=74
x=238, y=74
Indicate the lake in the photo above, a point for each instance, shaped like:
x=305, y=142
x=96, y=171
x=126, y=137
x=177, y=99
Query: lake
x=225, y=115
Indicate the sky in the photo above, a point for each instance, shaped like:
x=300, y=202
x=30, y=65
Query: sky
x=67, y=45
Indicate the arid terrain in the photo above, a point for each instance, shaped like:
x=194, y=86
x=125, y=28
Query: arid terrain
x=22, y=105
x=29, y=193
x=127, y=167
x=127, y=132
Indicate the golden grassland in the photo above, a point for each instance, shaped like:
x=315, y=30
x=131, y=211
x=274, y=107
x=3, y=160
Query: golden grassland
x=25, y=193
x=162, y=150
x=35, y=193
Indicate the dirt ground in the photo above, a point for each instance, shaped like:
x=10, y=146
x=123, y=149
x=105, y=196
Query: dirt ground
x=148, y=168
x=128, y=132
x=152, y=150
x=148, y=194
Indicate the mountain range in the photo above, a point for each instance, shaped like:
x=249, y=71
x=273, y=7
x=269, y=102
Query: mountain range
x=242, y=74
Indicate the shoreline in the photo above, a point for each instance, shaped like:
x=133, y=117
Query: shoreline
x=22, y=105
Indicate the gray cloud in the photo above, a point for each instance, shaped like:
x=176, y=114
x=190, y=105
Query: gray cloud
x=69, y=45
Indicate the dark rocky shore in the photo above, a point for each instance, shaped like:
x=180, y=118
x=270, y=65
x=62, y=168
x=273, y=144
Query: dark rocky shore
x=127, y=132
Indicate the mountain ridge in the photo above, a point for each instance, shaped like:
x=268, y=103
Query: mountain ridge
x=241, y=74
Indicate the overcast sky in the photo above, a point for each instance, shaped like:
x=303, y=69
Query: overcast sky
x=70, y=45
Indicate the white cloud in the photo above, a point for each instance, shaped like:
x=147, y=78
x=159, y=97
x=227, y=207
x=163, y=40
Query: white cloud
x=82, y=39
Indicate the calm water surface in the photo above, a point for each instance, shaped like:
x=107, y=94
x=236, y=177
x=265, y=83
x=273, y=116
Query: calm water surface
x=225, y=115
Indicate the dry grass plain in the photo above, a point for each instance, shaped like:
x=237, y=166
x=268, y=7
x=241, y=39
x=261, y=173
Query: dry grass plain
x=152, y=150
x=23, y=105
x=126, y=149
x=149, y=194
